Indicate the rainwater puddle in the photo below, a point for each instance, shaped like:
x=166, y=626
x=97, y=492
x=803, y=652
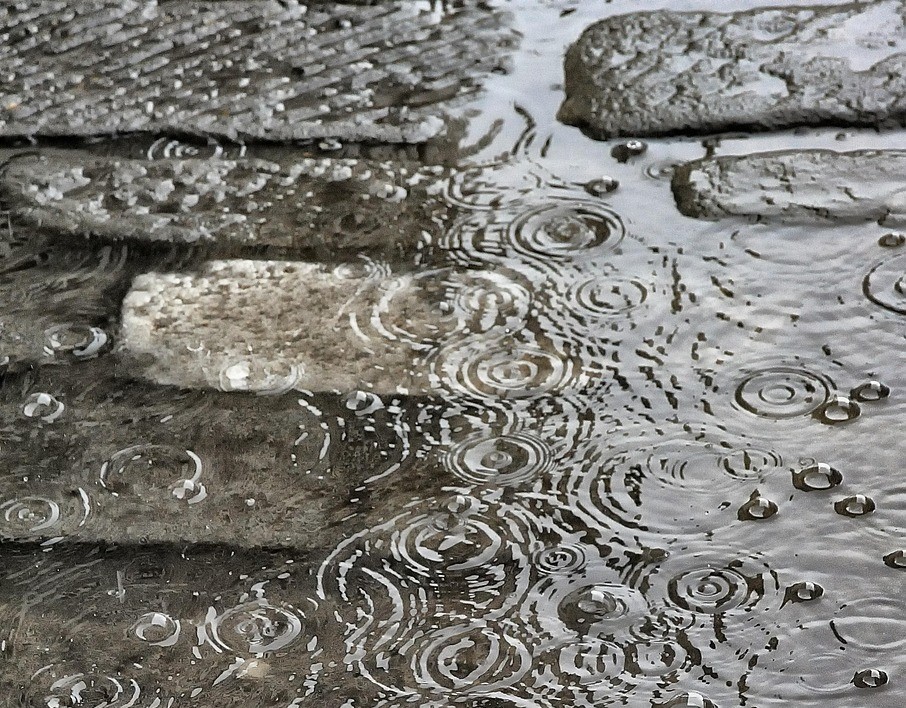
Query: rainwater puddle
x=643, y=460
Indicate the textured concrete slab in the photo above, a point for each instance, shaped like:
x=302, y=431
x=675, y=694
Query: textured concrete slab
x=244, y=325
x=655, y=73
x=797, y=186
x=90, y=458
x=321, y=207
x=261, y=69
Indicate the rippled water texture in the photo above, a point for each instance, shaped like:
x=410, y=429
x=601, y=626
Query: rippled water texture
x=661, y=462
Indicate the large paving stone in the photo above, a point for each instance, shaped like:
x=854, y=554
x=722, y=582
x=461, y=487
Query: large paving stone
x=654, y=73
x=327, y=208
x=797, y=186
x=91, y=458
x=261, y=69
x=245, y=325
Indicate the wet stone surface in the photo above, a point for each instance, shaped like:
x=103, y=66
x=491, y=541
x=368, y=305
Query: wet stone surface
x=806, y=186
x=523, y=436
x=660, y=73
x=259, y=69
x=320, y=207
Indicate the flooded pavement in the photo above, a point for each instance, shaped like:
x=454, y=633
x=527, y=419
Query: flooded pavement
x=494, y=414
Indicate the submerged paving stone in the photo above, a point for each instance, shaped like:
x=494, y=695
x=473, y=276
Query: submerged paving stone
x=323, y=207
x=655, y=73
x=796, y=186
x=123, y=462
x=260, y=69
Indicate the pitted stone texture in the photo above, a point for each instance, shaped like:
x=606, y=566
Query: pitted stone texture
x=325, y=207
x=261, y=69
x=657, y=73
x=797, y=186
x=260, y=325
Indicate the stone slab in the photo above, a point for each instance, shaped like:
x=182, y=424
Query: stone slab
x=797, y=186
x=91, y=458
x=324, y=208
x=261, y=69
x=659, y=73
x=264, y=326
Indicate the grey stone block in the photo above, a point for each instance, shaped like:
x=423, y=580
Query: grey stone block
x=245, y=325
x=321, y=207
x=657, y=73
x=797, y=186
x=259, y=70
x=116, y=461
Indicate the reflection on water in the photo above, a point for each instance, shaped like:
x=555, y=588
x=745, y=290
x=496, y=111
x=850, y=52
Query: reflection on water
x=659, y=465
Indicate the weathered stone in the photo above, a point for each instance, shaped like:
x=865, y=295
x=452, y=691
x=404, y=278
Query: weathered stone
x=797, y=186
x=654, y=73
x=321, y=207
x=90, y=458
x=243, y=325
x=261, y=69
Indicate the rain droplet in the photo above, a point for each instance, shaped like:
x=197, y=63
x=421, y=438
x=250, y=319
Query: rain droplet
x=857, y=505
x=757, y=508
x=896, y=559
x=817, y=477
x=256, y=626
x=76, y=341
x=782, y=392
x=892, y=240
x=870, y=391
x=804, y=591
x=628, y=149
x=158, y=629
x=870, y=678
x=838, y=409
x=601, y=186
x=43, y=406
x=363, y=402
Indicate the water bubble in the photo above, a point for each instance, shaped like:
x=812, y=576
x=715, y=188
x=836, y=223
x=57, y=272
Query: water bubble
x=892, y=240
x=143, y=470
x=757, y=508
x=885, y=284
x=870, y=391
x=256, y=627
x=562, y=230
x=870, y=678
x=75, y=341
x=817, y=477
x=709, y=590
x=92, y=691
x=692, y=699
x=601, y=186
x=602, y=608
x=500, y=459
x=624, y=151
x=896, y=559
x=838, y=409
x=158, y=629
x=782, y=392
x=804, y=591
x=560, y=560
x=853, y=506
x=43, y=406
x=363, y=403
